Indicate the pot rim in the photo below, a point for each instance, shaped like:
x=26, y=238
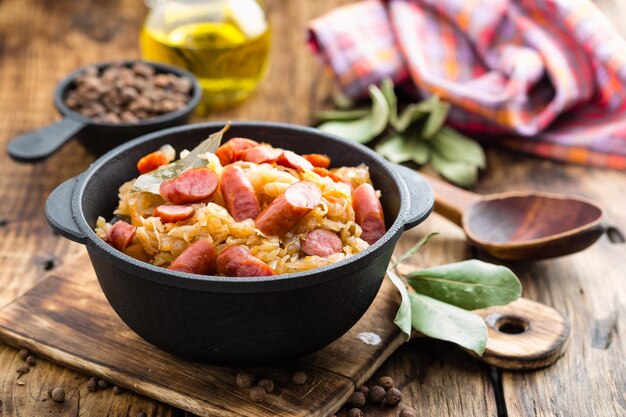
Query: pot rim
x=211, y=283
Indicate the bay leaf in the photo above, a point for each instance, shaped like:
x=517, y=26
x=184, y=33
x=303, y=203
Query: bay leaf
x=457, y=147
x=328, y=115
x=394, y=148
x=403, y=316
x=438, y=114
x=410, y=114
x=151, y=181
x=468, y=284
x=387, y=89
x=366, y=128
x=459, y=172
x=443, y=321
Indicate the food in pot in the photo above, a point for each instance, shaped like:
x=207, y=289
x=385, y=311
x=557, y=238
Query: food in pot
x=121, y=94
x=246, y=209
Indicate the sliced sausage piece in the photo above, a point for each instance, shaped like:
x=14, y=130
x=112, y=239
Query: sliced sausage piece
x=289, y=208
x=293, y=160
x=226, y=152
x=237, y=261
x=239, y=196
x=198, y=258
x=318, y=160
x=323, y=172
x=321, y=242
x=151, y=162
x=120, y=235
x=258, y=154
x=173, y=213
x=368, y=213
x=190, y=187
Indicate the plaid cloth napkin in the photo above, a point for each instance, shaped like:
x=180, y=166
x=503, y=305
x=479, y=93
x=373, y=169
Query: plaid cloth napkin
x=547, y=76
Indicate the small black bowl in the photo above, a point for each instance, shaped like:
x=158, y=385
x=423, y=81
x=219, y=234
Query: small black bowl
x=96, y=136
x=237, y=321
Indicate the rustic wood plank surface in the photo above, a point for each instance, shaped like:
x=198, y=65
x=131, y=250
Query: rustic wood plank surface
x=41, y=41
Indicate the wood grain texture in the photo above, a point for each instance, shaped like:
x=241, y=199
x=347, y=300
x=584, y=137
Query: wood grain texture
x=589, y=287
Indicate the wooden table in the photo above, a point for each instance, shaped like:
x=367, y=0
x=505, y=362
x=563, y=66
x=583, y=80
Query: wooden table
x=41, y=41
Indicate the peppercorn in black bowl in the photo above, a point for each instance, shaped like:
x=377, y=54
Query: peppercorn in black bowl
x=230, y=320
x=108, y=104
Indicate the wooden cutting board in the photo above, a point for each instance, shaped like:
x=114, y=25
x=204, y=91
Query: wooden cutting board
x=67, y=319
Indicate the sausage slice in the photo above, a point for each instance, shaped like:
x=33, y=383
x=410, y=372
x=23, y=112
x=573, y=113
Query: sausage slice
x=321, y=242
x=258, y=154
x=318, y=160
x=293, y=160
x=198, y=258
x=173, y=213
x=190, y=187
x=226, y=152
x=237, y=261
x=368, y=213
x=151, y=162
x=120, y=235
x=289, y=208
x=239, y=196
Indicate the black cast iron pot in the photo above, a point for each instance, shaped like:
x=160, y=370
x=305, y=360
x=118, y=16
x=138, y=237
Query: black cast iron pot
x=237, y=321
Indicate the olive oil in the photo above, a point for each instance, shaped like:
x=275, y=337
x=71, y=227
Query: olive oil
x=225, y=43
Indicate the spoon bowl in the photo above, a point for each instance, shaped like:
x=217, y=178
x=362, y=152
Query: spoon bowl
x=526, y=225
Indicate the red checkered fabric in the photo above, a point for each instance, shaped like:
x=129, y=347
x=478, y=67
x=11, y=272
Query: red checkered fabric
x=548, y=77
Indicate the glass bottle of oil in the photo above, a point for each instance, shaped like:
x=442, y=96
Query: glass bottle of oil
x=225, y=43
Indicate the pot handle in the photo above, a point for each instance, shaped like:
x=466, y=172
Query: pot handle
x=37, y=145
x=421, y=198
x=59, y=211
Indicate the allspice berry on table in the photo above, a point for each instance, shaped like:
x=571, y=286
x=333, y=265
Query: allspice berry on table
x=244, y=379
x=267, y=385
x=408, y=412
x=386, y=382
x=30, y=360
x=355, y=412
x=102, y=384
x=117, y=390
x=257, y=394
x=299, y=378
x=376, y=394
x=365, y=390
x=142, y=414
x=92, y=384
x=357, y=399
x=393, y=397
x=58, y=395
x=24, y=353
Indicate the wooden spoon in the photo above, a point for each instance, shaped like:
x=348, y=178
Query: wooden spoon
x=521, y=225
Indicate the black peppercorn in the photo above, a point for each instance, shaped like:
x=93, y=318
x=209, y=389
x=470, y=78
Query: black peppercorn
x=357, y=399
x=244, y=379
x=393, y=397
x=30, y=360
x=299, y=378
x=386, y=382
x=92, y=384
x=57, y=395
x=267, y=385
x=142, y=414
x=117, y=390
x=408, y=412
x=376, y=394
x=355, y=412
x=102, y=384
x=24, y=353
x=24, y=369
x=257, y=394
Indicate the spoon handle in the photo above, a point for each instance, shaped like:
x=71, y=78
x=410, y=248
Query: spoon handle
x=450, y=201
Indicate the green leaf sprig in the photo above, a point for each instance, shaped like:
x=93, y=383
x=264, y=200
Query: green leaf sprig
x=417, y=133
x=151, y=181
x=441, y=298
